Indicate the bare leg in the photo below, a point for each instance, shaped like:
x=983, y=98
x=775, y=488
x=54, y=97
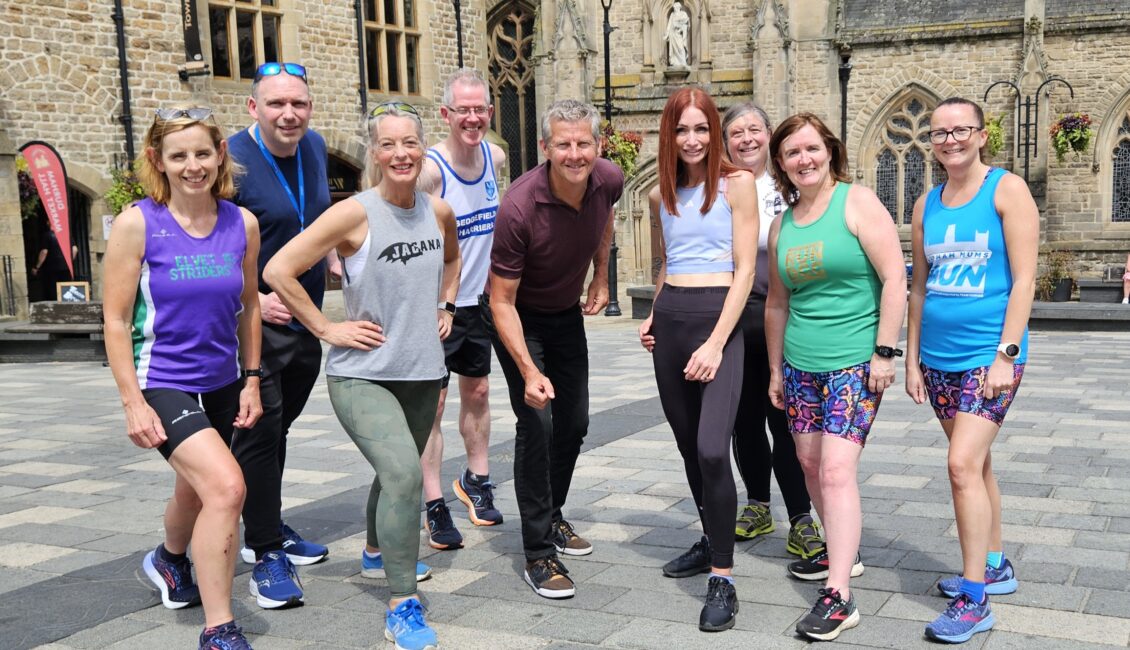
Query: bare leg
x=205, y=464
x=973, y=506
x=474, y=422
x=808, y=447
x=842, y=514
x=432, y=459
x=180, y=517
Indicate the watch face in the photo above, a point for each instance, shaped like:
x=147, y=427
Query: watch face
x=1012, y=350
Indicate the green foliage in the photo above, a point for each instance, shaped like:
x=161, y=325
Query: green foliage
x=996, y=135
x=125, y=190
x=621, y=147
x=29, y=196
x=1072, y=132
x=1055, y=270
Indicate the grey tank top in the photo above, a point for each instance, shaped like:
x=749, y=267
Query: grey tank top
x=394, y=281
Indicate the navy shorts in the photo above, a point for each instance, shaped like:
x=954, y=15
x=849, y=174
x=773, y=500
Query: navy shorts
x=183, y=414
x=467, y=348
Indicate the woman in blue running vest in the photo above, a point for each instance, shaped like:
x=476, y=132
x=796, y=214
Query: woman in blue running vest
x=975, y=241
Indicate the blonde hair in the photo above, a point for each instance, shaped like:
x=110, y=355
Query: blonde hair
x=154, y=181
x=371, y=177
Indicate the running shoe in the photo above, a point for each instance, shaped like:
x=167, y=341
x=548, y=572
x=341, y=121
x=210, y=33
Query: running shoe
x=274, y=582
x=753, y=519
x=721, y=608
x=405, y=626
x=693, y=562
x=549, y=578
x=174, y=579
x=816, y=567
x=374, y=567
x=228, y=636
x=567, y=541
x=830, y=616
x=442, y=533
x=962, y=619
x=479, y=499
x=805, y=539
x=300, y=551
x=998, y=582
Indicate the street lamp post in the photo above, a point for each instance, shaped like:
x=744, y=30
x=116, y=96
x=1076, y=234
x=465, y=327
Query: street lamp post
x=1031, y=122
x=613, y=308
x=458, y=30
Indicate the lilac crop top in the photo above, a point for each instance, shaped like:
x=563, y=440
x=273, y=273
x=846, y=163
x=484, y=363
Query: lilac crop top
x=696, y=242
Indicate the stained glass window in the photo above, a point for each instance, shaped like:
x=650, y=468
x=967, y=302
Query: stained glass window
x=1121, y=175
x=901, y=170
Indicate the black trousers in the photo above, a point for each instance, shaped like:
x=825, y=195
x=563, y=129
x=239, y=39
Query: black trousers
x=701, y=415
x=291, y=363
x=755, y=459
x=548, y=440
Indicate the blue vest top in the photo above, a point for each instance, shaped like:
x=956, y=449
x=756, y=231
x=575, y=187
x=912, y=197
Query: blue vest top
x=969, y=281
x=696, y=242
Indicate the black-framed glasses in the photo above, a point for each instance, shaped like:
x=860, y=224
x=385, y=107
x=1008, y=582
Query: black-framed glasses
x=381, y=109
x=959, y=133
x=198, y=113
x=272, y=69
x=464, y=111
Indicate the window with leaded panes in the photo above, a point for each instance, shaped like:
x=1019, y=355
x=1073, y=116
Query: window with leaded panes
x=245, y=34
x=1120, y=212
x=903, y=166
x=392, y=46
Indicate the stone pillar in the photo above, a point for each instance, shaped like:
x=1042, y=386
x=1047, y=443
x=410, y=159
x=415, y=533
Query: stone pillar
x=11, y=233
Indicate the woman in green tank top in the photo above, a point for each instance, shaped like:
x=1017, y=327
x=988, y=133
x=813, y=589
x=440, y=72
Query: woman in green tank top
x=837, y=295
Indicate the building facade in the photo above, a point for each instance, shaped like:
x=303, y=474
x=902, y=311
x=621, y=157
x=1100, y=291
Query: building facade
x=872, y=68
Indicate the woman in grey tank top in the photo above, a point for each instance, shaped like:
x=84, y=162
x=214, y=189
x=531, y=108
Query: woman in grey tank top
x=400, y=273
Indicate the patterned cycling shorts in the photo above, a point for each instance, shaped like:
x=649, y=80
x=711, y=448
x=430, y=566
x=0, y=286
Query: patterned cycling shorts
x=835, y=403
x=954, y=392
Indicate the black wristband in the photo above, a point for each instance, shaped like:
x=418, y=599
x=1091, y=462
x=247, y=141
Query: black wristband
x=887, y=352
x=251, y=372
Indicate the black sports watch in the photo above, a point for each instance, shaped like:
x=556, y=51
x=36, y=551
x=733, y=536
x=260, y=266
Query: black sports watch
x=251, y=372
x=448, y=307
x=887, y=352
x=1010, y=350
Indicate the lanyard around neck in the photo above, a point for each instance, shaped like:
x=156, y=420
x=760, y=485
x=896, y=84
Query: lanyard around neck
x=300, y=204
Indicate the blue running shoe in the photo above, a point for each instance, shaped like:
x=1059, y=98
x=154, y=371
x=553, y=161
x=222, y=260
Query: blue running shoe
x=962, y=619
x=174, y=579
x=405, y=626
x=300, y=551
x=228, y=636
x=998, y=582
x=479, y=499
x=274, y=582
x=374, y=567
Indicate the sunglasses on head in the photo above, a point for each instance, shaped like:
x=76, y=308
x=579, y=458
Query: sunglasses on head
x=197, y=113
x=381, y=109
x=272, y=69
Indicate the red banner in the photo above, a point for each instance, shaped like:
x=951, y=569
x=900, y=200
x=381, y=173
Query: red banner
x=46, y=169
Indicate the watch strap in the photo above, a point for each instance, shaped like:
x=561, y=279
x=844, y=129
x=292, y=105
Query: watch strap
x=251, y=372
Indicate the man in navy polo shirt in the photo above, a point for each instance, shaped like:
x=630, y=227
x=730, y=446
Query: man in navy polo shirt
x=554, y=222
x=285, y=186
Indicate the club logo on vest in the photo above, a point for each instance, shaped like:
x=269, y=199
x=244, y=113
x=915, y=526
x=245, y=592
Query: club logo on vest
x=404, y=251
x=958, y=267
x=492, y=190
x=163, y=233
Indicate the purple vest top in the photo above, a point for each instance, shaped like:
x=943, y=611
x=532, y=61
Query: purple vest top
x=188, y=302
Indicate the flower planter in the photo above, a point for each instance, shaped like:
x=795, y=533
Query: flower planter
x=1062, y=291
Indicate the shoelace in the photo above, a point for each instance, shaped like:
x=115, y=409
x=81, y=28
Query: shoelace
x=413, y=613
x=182, y=574
x=566, y=530
x=716, y=592
x=958, y=606
x=228, y=637
x=279, y=570
x=441, y=517
x=486, y=489
x=555, y=568
x=829, y=598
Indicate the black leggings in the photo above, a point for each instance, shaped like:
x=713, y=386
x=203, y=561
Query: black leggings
x=700, y=414
x=755, y=460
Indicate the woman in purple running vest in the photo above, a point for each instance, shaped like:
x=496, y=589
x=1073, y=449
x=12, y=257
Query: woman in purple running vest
x=181, y=307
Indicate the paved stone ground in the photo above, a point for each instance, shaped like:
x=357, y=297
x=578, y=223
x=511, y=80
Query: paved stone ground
x=79, y=506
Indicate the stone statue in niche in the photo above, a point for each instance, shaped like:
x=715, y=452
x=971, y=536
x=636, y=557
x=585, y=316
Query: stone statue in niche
x=678, y=25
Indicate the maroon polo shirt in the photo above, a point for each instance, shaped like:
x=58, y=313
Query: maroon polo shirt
x=545, y=243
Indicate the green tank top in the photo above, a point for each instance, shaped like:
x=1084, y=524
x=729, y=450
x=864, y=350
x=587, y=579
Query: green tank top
x=834, y=291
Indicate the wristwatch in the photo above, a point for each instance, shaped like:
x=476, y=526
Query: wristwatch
x=887, y=352
x=251, y=372
x=448, y=307
x=1010, y=350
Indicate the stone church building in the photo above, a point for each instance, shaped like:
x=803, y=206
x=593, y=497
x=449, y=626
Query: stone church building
x=873, y=69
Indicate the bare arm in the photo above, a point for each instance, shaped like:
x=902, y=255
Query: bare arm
x=503, y=292
x=776, y=317
x=121, y=272
x=250, y=327
x=647, y=338
x=869, y=221
x=430, y=179
x=597, y=294
x=452, y=262
x=915, y=387
x=343, y=226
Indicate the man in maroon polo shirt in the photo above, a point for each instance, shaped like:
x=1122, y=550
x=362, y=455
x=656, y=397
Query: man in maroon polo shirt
x=553, y=222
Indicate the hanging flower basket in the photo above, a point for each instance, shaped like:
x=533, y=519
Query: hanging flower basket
x=1072, y=132
x=993, y=126
x=620, y=147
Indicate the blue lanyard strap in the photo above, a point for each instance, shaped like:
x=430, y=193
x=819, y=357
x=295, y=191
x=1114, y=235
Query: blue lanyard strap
x=300, y=204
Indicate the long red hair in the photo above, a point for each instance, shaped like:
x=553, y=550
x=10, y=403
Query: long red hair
x=672, y=171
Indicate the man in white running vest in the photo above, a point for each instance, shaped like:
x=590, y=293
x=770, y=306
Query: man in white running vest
x=463, y=170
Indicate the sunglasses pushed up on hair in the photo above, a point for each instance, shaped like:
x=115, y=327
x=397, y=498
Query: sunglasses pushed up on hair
x=381, y=109
x=198, y=113
x=272, y=69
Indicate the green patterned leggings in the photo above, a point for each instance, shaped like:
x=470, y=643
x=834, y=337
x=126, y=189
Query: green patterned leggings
x=389, y=421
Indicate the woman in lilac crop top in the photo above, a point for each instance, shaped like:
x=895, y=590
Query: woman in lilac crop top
x=182, y=326
x=709, y=214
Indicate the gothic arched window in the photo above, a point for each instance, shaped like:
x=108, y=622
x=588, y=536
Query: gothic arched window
x=1120, y=190
x=902, y=171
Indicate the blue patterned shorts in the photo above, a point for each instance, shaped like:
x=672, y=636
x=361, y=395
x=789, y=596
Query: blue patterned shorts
x=836, y=403
x=954, y=392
